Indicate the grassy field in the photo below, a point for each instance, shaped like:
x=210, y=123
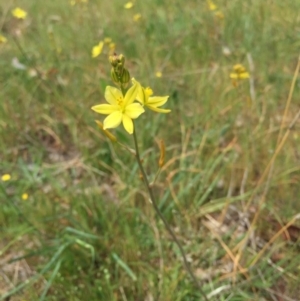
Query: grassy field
x=230, y=184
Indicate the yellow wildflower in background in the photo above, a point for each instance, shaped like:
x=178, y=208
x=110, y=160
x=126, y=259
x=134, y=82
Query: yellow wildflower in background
x=96, y=51
x=219, y=15
x=137, y=17
x=24, y=196
x=211, y=5
x=239, y=72
x=112, y=48
x=120, y=109
x=5, y=177
x=73, y=2
x=128, y=5
x=19, y=13
x=158, y=74
x=145, y=97
x=3, y=39
x=107, y=40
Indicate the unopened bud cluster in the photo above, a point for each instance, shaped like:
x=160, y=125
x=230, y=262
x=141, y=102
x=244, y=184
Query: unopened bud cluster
x=119, y=74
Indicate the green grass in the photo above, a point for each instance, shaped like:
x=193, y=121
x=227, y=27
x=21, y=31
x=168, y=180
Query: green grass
x=87, y=230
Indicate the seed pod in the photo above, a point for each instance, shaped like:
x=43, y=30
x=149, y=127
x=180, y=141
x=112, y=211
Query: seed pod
x=162, y=149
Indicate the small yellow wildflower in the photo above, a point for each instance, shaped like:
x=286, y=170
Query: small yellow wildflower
x=153, y=103
x=107, y=40
x=219, y=15
x=128, y=5
x=158, y=74
x=3, y=39
x=137, y=17
x=24, y=196
x=5, y=177
x=112, y=47
x=239, y=72
x=120, y=109
x=74, y=2
x=19, y=13
x=96, y=51
x=211, y=5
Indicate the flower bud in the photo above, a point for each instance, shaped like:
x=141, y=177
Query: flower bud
x=122, y=59
x=125, y=78
x=113, y=59
x=117, y=61
x=114, y=76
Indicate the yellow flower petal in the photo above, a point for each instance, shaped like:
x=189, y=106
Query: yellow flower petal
x=239, y=68
x=113, y=120
x=244, y=75
x=157, y=101
x=96, y=51
x=233, y=75
x=131, y=94
x=127, y=123
x=5, y=177
x=141, y=96
x=113, y=95
x=24, y=196
x=128, y=5
x=105, y=109
x=19, y=13
x=158, y=110
x=134, y=110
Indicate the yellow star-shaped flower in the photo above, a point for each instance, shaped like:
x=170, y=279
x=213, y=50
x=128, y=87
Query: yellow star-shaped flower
x=120, y=109
x=137, y=17
x=145, y=97
x=3, y=39
x=25, y=196
x=5, y=177
x=128, y=5
x=211, y=5
x=239, y=72
x=19, y=13
x=96, y=51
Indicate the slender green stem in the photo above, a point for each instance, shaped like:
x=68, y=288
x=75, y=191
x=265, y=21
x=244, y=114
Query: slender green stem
x=169, y=229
